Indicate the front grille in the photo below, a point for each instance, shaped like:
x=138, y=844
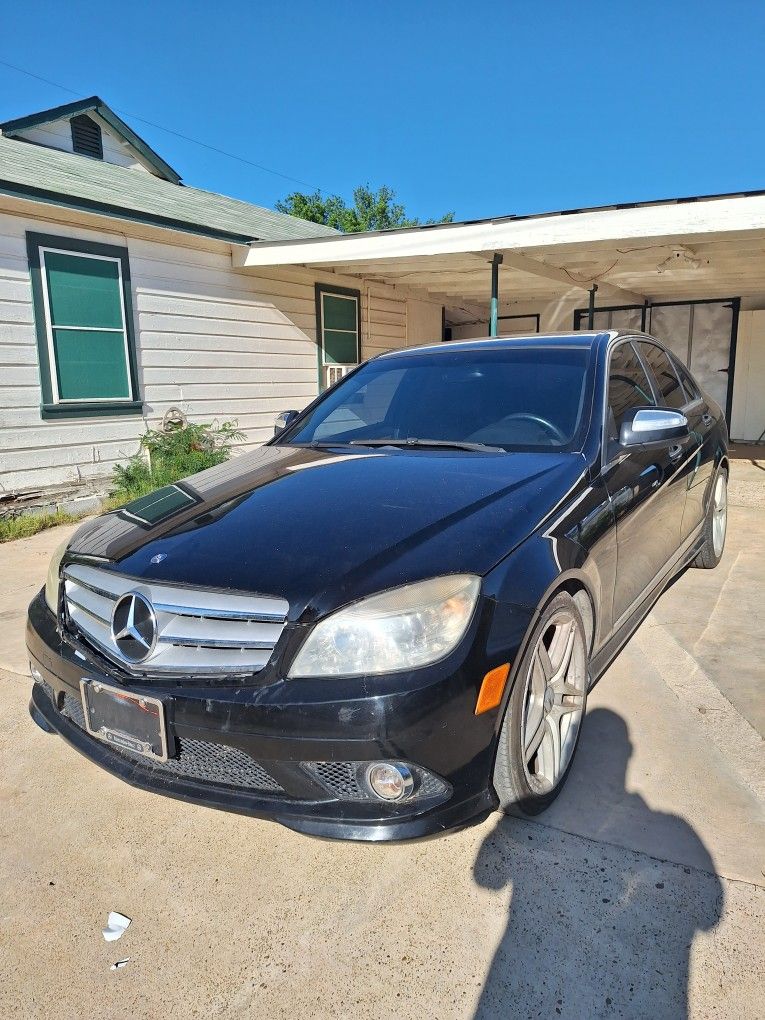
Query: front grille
x=345, y=780
x=199, y=631
x=197, y=759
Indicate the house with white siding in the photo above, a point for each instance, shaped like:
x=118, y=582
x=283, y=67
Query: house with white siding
x=125, y=295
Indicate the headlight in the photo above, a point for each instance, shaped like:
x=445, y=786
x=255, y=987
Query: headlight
x=53, y=580
x=400, y=629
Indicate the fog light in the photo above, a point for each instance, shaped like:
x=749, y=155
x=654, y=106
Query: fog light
x=390, y=782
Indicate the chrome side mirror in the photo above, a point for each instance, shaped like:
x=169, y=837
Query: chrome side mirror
x=283, y=420
x=653, y=426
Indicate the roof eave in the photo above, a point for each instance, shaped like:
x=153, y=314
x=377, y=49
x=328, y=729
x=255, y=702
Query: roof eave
x=34, y=194
x=740, y=212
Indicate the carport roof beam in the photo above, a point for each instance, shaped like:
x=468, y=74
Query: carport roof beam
x=536, y=267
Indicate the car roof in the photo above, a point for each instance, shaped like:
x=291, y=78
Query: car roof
x=580, y=338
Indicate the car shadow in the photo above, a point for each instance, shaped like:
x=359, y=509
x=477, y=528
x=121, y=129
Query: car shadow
x=594, y=930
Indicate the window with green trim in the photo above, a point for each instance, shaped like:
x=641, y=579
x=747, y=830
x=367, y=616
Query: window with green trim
x=338, y=317
x=84, y=326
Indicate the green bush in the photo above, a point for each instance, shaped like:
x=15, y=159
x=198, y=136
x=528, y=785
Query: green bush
x=172, y=455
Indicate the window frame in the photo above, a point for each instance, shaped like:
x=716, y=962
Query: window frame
x=342, y=292
x=607, y=460
x=686, y=377
x=653, y=380
x=53, y=406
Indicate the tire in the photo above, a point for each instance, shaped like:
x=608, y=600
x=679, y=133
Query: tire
x=550, y=691
x=715, y=524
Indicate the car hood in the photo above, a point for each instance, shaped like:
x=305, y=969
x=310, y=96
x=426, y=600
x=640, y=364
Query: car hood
x=322, y=527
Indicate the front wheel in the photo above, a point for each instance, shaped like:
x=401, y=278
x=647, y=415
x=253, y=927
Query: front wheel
x=715, y=524
x=541, y=728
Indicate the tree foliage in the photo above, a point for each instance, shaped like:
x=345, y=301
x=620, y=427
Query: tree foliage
x=371, y=210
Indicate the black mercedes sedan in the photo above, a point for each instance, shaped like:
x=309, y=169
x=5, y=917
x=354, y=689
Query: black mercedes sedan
x=384, y=623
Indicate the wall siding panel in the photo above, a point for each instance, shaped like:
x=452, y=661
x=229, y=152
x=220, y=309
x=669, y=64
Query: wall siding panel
x=215, y=342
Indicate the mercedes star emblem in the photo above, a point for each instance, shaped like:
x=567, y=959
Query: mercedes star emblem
x=134, y=627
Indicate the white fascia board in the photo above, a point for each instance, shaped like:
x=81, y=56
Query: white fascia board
x=743, y=214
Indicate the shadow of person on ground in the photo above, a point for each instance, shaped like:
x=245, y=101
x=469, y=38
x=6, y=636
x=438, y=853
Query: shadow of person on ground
x=594, y=930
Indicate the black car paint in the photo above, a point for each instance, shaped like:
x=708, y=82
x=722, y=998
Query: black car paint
x=325, y=527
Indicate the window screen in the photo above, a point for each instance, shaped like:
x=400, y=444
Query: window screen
x=670, y=391
x=339, y=328
x=86, y=326
x=628, y=387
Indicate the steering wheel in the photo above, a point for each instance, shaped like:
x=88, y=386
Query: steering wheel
x=543, y=423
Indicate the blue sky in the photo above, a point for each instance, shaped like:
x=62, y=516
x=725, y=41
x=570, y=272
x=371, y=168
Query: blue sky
x=480, y=108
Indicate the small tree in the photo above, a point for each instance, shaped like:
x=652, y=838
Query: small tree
x=371, y=210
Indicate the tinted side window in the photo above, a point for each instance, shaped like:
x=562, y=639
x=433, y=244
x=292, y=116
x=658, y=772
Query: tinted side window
x=670, y=391
x=691, y=389
x=628, y=387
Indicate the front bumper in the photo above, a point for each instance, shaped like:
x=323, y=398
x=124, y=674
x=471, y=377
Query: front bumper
x=275, y=728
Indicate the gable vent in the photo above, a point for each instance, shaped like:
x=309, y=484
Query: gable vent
x=86, y=137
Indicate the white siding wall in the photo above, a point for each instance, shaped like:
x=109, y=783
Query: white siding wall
x=423, y=322
x=748, y=412
x=58, y=135
x=214, y=342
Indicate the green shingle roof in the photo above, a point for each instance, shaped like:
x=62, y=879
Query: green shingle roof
x=63, y=178
x=94, y=104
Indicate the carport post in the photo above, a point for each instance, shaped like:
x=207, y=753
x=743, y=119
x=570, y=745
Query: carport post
x=493, y=307
x=591, y=309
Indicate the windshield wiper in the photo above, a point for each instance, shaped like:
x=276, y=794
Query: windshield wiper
x=440, y=444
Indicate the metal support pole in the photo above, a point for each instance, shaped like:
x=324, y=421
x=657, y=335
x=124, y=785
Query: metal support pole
x=591, y=310
x=494, y=305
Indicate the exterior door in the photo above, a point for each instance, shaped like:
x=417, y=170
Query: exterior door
x=647, y=493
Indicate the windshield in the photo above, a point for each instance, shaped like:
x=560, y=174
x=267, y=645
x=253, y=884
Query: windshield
x=519, y=398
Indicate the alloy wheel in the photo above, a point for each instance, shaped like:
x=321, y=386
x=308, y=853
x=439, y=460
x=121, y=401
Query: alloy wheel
x=553, y=702
x=720, y=514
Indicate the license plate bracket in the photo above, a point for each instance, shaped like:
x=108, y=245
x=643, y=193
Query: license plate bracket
x=125, y=720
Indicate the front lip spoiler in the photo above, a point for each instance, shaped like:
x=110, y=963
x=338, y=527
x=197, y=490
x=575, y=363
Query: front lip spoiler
x=296, y=815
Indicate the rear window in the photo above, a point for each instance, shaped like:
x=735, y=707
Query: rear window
x=525, y=398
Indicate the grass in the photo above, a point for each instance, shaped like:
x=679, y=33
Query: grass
x=27, y=525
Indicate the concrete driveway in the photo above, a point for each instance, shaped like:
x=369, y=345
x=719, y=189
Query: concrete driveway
x=639, y=894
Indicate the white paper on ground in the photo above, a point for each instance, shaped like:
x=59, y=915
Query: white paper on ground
x=120, y=963
x=116, y=926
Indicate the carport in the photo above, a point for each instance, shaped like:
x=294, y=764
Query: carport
x=691, y=271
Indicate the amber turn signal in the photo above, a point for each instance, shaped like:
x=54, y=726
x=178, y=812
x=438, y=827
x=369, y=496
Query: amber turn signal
x=492, y=688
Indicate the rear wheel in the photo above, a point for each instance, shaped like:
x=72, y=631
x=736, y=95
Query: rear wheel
x=715, y=524
x=541, y=728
